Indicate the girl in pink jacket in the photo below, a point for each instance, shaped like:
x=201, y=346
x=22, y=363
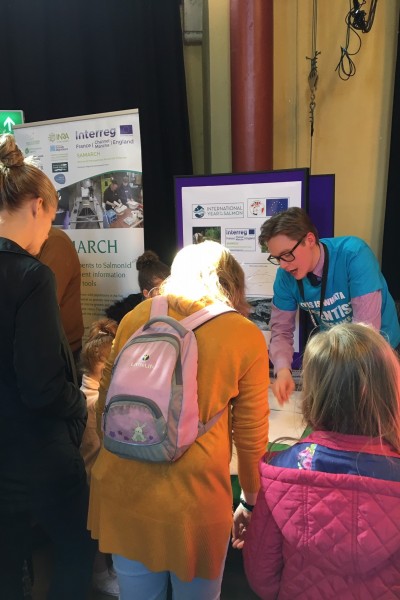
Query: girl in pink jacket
x=327, y=519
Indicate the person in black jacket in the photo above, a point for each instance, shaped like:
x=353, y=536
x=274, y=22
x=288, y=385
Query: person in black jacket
x=125, y=192
x=111, y=195
x=151, y=273
x=42, y=411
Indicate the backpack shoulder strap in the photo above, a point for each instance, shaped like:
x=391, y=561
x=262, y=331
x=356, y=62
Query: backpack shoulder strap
x=202, y=428
x=206, y=314
x=159, y=307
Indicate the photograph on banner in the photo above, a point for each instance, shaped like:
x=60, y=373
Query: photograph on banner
x=108, y=200
x=95, y=164
x=231, y=209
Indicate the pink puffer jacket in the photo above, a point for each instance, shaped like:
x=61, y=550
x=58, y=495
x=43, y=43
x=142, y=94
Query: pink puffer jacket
x=317, y=534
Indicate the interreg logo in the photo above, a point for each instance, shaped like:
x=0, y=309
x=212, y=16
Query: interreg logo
x=58, y=137
x=95, y=133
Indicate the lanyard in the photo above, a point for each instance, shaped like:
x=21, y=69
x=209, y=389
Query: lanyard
x=323, y=287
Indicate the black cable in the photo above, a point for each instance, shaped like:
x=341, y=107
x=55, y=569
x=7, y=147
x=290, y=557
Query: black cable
x=359, y=17
x=356, y=20
x=346, y=67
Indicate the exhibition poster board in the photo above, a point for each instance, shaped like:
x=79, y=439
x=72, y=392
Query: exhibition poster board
x=230, y=209
x=321, y=203
x=95, y=164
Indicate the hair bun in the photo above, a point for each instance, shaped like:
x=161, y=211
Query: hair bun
x=10, y=154
x=103, y=327
x=147, y=258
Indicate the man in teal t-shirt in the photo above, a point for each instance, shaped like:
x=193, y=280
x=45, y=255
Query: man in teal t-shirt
x=335, y=280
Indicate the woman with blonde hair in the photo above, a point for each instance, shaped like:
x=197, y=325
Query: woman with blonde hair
x=327, y=519
x=173, y=520
x=42, y=411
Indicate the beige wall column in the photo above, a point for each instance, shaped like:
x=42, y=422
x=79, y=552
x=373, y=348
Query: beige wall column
x=251, y=34
x=216, y=87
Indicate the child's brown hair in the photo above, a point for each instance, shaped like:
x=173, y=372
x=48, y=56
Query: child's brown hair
x=98, y=345
x=351, y=383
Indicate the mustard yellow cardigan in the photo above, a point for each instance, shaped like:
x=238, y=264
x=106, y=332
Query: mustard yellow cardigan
x=178, y=517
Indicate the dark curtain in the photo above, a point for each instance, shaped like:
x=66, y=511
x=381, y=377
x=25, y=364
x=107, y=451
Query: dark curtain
x=80, y=57
x=391, y=247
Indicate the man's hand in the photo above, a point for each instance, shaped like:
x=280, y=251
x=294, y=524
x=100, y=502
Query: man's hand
x=283, y=386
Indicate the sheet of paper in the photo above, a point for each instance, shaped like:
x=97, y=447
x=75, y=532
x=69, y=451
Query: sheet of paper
x=293, y=404
x=285, y=424
x=284, y=421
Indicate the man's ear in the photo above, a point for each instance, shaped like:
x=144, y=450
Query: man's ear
x=36, y=206
x=310, y=237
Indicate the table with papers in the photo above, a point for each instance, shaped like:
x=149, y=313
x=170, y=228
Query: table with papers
x=284, y=421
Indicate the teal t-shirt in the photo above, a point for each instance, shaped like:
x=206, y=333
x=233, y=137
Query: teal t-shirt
x=353, y=271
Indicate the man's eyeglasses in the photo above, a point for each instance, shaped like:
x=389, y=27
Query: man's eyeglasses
x=286, y=256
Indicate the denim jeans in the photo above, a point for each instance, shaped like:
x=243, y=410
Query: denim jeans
x=136, y=582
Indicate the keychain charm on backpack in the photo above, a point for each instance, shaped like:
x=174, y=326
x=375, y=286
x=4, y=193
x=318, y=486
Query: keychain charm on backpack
x=151, y=411
x=138, y=433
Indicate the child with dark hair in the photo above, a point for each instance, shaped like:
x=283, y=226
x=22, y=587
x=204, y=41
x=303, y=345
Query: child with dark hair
x=93, y=358
x=151, y=273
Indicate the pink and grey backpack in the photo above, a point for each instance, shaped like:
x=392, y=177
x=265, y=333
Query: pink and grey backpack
x=151, y=410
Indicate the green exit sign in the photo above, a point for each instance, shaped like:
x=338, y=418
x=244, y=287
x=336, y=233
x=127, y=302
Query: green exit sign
x=9, y=118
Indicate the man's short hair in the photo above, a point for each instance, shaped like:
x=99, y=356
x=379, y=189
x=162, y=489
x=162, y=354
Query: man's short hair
x=294, y=223
x=114, y=181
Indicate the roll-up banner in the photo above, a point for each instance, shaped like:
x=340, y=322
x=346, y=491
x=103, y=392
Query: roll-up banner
x=95, y=163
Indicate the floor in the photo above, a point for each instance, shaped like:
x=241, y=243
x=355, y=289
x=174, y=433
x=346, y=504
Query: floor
x=234, y=584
